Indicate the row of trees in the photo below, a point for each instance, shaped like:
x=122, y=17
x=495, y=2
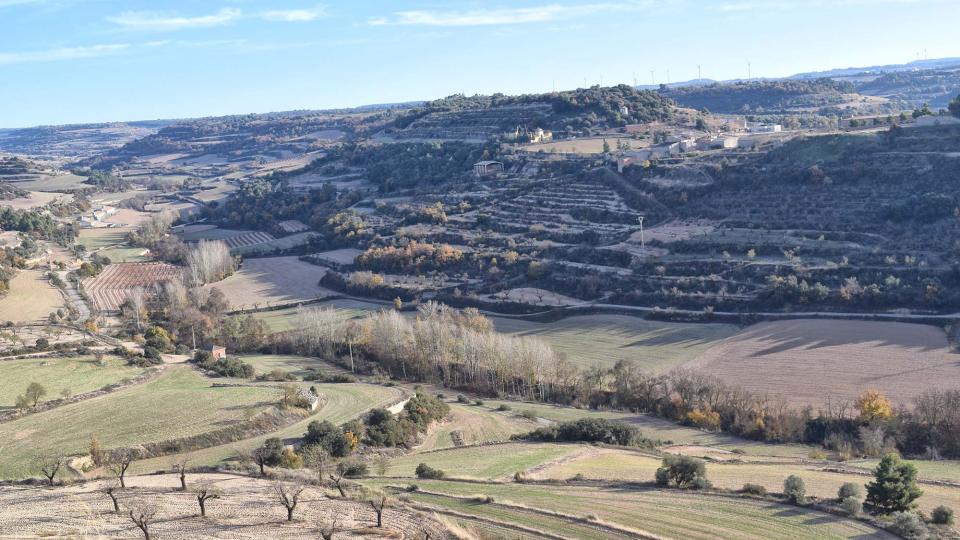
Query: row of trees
x=459, y=349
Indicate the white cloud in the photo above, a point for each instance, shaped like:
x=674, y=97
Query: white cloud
x=149, y=20
x=63, y=53
x=505, y=16
x=294, y=15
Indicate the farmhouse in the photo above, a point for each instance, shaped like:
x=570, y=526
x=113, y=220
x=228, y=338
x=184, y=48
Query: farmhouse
x=217, y=352
x=487, y=168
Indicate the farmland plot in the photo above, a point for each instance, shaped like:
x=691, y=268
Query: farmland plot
x=61, y=376
x=108, y=290
x=654, y=346
x=271, y=281
x=809, y=361
x=244, y=512
x=180, y=403
x=625, y=465
x=344, y=402
x=668, y=513
x=31, y=298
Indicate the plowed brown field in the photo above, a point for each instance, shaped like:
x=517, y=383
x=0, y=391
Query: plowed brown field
x=811, y=361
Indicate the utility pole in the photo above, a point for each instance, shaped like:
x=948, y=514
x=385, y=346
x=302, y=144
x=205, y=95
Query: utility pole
x=643, y=244
x=653, y=79
x=601, y=79
x=749, y=71
x=634, y=78
x=668, y=77
x=699, y=74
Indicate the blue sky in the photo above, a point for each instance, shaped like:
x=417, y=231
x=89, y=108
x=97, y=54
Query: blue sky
x=66, y=61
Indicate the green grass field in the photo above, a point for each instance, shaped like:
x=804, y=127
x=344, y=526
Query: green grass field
x=125, y=254
x=486, y=462
x=282, y=320
x=344, y=402
x=655, y=346
x=670, y=513
x=73, y=375
x=94, y=239
x=298, y=366
x=180, y=403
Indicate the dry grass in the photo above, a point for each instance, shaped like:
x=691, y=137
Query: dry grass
x=272, y=281
x=808, y=361
x=31, y=298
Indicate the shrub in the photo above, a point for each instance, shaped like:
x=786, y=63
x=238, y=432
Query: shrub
x=753, y=489
x=851, y=505
x=590, y=430
x=329, y=437
x=478, y=403
x=227, y=367
x=700, y=482
x=352, y=468
x=462, y=399
x=942, y=515
x=428, y=472
x=908, y=525
x=42, y=344
x=503, y=407
x=383, y=429
x=850, y=489
x=682, y=471
x=528, y=415
x=422, y=409
x=794, y=489
x=291, y=460
x=662, y=476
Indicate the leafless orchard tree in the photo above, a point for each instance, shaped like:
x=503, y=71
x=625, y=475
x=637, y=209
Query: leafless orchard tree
x=110, y=490
x=50, y=465
x=378, y=503
x=204, y=493
x=142, y=514
x=288, y=496
x=119, y=461
x=337, y=478
x=315, y=457
x=179, y=466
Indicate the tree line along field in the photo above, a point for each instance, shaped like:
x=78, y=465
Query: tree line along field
x=61, y=376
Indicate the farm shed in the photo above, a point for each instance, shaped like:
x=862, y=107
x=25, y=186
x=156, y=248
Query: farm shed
x=486, y=168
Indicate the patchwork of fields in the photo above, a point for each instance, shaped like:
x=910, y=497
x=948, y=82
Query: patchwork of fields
x=62, y=377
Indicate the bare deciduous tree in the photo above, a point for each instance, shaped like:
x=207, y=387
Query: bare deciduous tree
x=288, y=496
x=378, y=503
x=328, y=529
x=111, y=491
x=179, y=466
x=119, y=461
x=142, y=514
x=337, y=479
x=315, y=457
x=204, y=493
x=50, y=465
x=209, y=261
